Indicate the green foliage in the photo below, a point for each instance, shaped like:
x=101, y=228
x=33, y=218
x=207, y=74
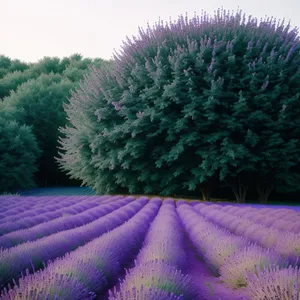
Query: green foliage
x=77, y=68
x=19, y=152
x=46, y=65
x=33, y=94
x=39, y=103
x=188, y=103
x=14, y=73
x=11, y=81
x=7, y=65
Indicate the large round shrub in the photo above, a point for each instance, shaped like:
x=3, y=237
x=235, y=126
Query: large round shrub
x=19, y=152
x=189, y=103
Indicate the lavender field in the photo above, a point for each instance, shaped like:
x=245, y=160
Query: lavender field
x=117, y=247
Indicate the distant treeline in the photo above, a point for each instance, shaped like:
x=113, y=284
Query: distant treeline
x=31, y=111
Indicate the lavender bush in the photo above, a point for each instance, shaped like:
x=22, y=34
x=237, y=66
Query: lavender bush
x=274, y=283
x=40, y=286
x=250, y=259
x=159, y=275
x=144, y=293
x=159, y=262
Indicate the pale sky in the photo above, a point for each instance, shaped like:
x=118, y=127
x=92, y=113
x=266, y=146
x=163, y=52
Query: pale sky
x=32, y=29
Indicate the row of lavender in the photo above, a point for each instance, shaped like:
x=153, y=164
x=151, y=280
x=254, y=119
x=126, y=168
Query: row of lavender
x=239, y=260
x=67, y=218
x=282, y=219
x=32, y=254
x=42, y=207
x=10, y=202
x=284, y=242
x=93, y=266
x=18, y=205
x=157, y=271
x=236, y=258
x=44, y=212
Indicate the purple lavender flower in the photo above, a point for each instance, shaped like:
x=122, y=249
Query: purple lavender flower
x=116, y=105
x=82, y=269
x=79, y=215
x=292, y=49
x=145, y=293
x=40, y=286
x=249, y=259
x=94, y=262
x=17, y=259
x=160, y=275
x=274, y=283
x=168, y=252
x=222, y=248
x=288, y=245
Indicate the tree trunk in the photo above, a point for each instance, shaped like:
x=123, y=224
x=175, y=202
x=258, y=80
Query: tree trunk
x=206, y=193
x=240, y=190
x=206, y=189
x=264, y=190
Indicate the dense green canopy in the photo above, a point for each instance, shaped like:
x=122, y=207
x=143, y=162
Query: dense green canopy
x=38, y=103
x=190, y=104
x=13, y=72
x=34, y=96
x=19, y=152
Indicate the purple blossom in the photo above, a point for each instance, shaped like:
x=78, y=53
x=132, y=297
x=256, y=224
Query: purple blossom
x=78, y=215
x=166, y=231
x=249, y=46
x=291, y=52
x=41, y=214
x=116, y=105
x=214, y=243
x=158, y=274
x=145, y=293
x=99, y=259
x=274, y=283
x=222, y=247
x=80, y=269
x=158, y=261
x=288, y=245
x=15, y=260
x=40, y=286
x=250, y=259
